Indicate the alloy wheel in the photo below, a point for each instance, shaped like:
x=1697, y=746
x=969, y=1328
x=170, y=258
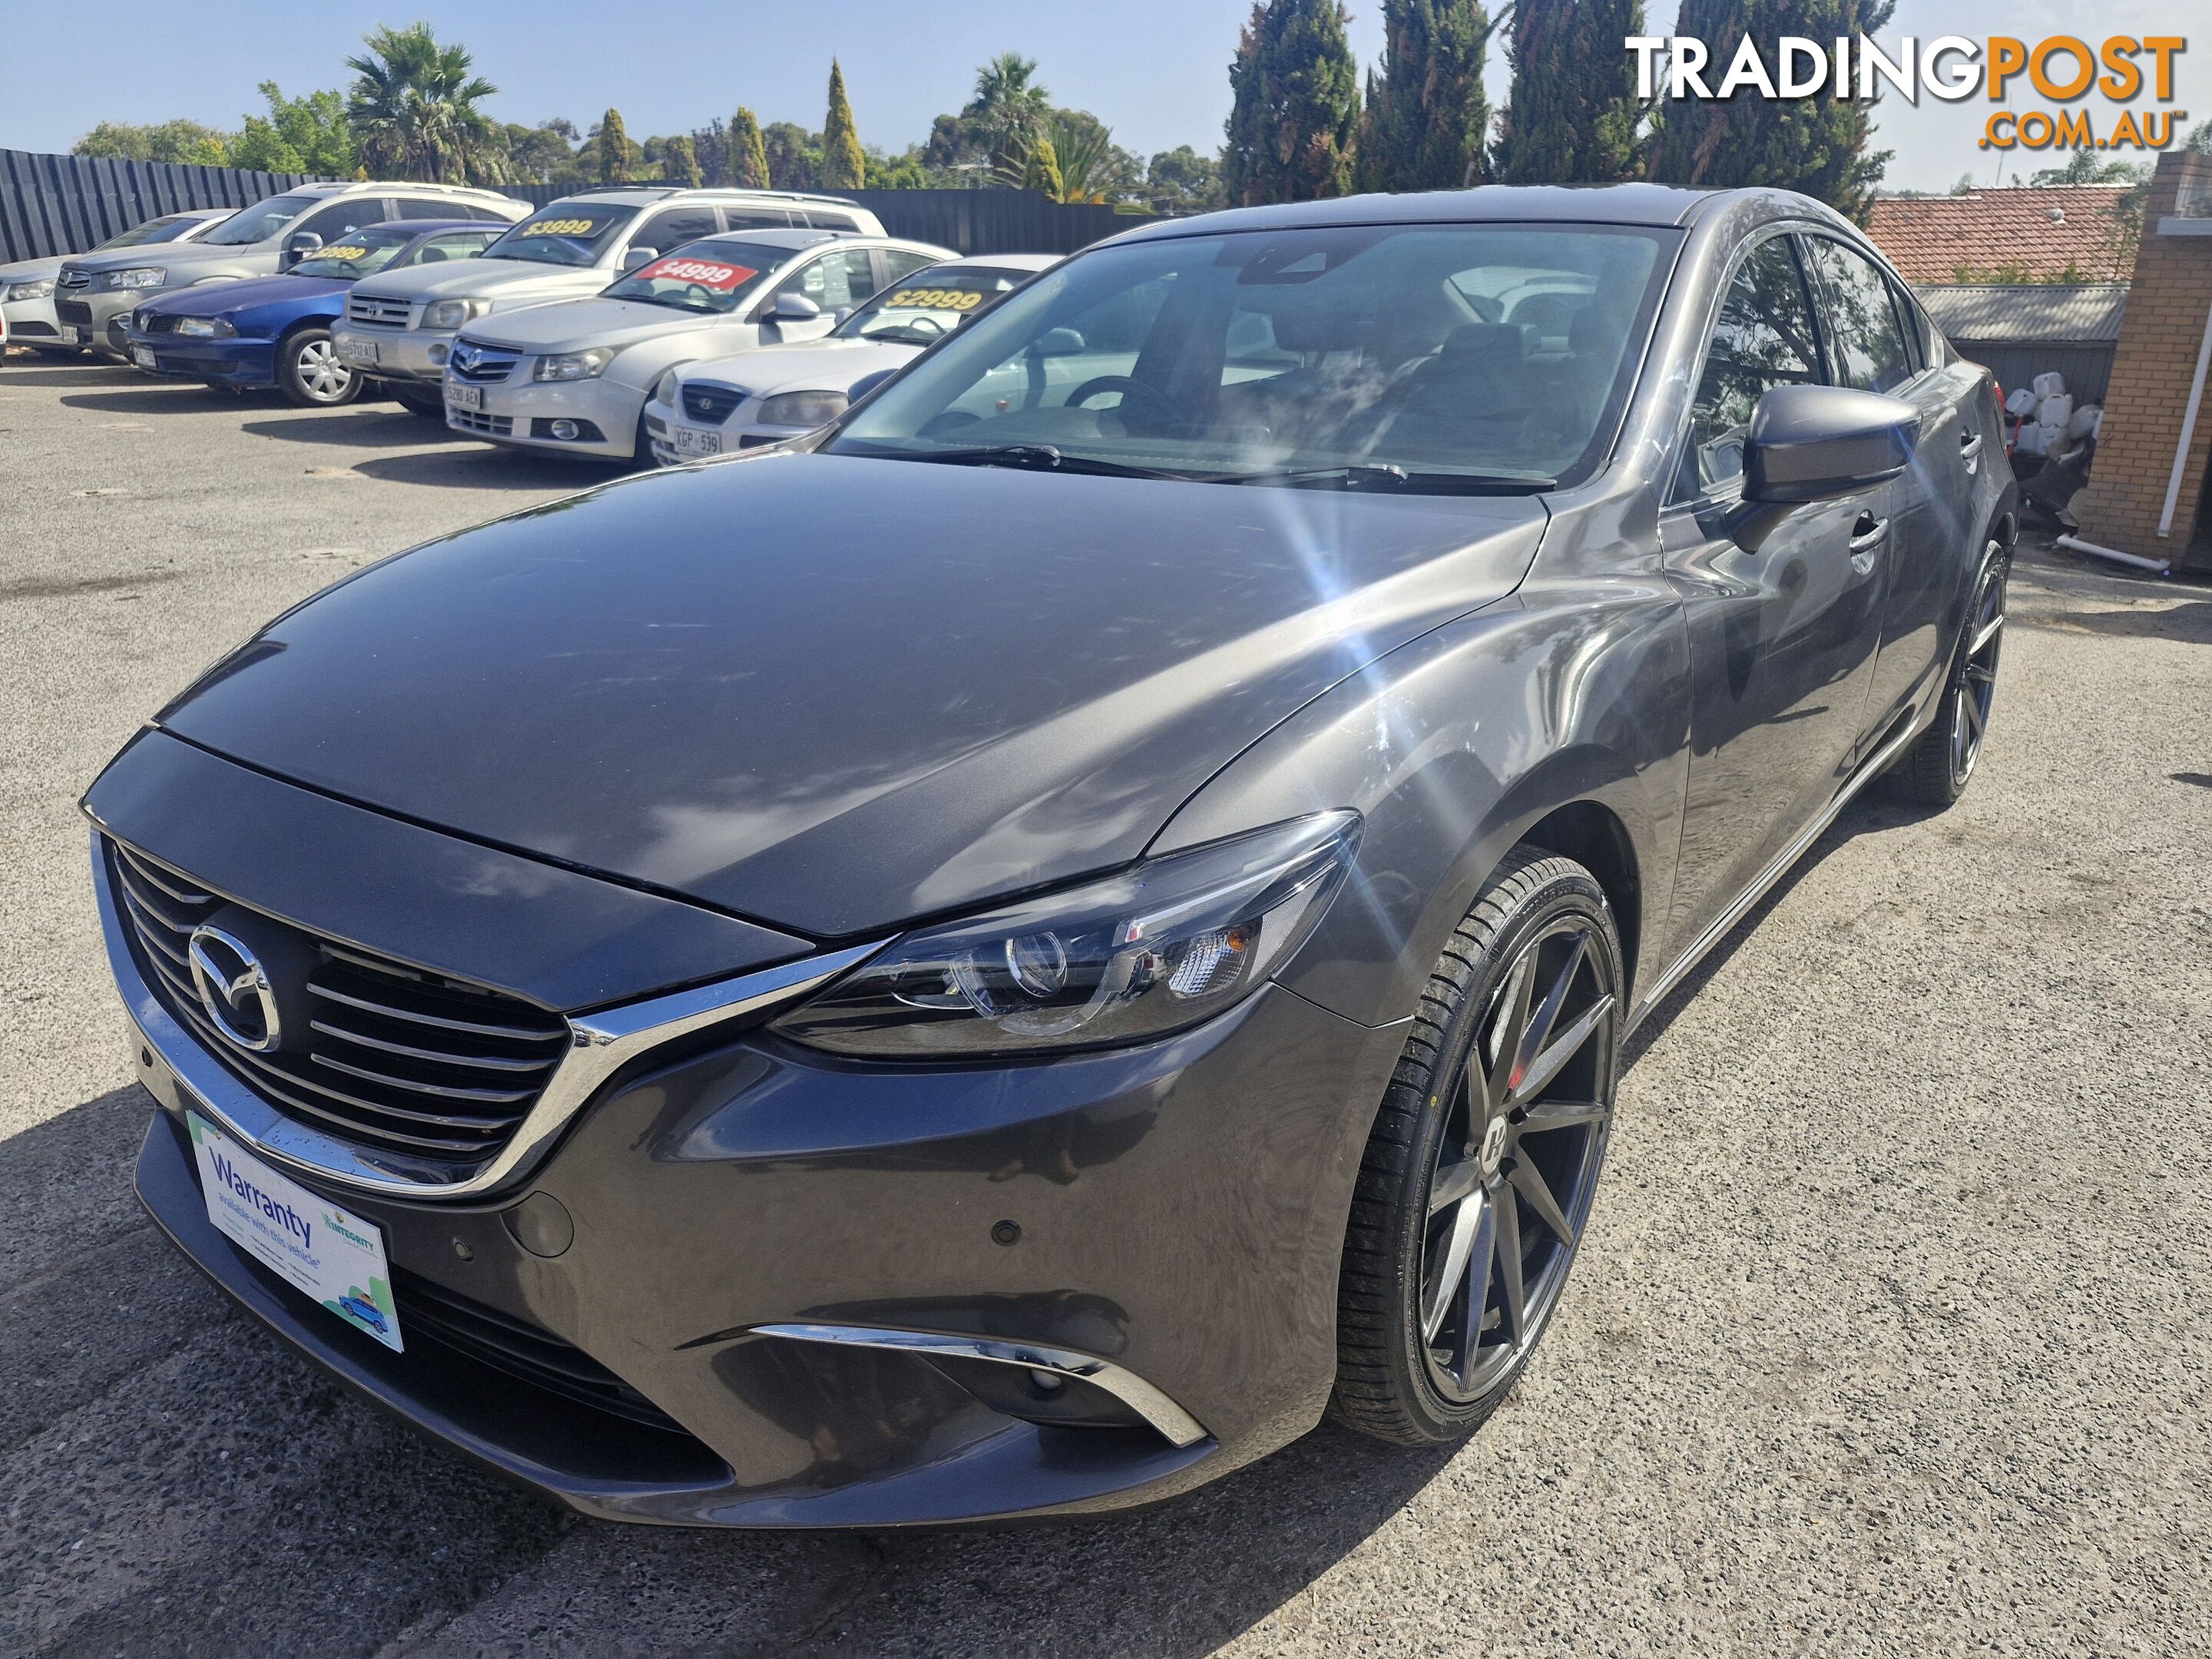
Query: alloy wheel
x=1973, y=688
x=321, y=375
x=1518, y=1162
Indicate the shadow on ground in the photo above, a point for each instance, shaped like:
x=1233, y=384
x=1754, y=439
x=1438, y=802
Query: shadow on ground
x=480, y=467
x=159, y=399
x=365, y=426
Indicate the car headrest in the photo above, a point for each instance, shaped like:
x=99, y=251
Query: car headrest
x=1587, y=330
x=431, y=256
x=1471, y=342
x=1306, y=323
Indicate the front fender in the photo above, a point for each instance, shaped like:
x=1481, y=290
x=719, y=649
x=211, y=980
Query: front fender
x=1452, y=748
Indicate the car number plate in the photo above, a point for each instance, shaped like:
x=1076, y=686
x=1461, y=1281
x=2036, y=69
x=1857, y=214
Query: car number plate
x=465, y=397
x=332, y=1254
x=73, y=336
x=142, y=355
x=357, y=351
x=691, y=441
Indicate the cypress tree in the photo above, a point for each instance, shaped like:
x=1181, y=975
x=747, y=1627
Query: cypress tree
x=1293, y=124
x=1426, y=118
x=1041, y=169
x=681, y=165
x=1571, y=118
x=610, y=159
x=1816, y=144
x=748, y=152
x=843, y=166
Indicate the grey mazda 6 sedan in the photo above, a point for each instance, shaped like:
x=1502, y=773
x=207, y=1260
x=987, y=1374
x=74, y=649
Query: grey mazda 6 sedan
x=1005, y=957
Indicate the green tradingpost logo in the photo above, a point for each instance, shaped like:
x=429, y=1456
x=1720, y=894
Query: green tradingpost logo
x=2063, y=69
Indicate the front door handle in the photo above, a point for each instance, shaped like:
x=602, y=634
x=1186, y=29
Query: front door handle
x=1868, y=534
x=1969, y=450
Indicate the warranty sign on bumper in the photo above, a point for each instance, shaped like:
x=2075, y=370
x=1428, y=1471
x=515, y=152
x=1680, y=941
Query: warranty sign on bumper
x=332, y=1254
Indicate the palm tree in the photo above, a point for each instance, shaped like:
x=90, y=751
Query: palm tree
x=413, y=109
x=1064, y=160
x=1010, y=106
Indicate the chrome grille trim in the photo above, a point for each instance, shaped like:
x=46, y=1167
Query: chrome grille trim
x=71, y=278
x=482, y=365
x=370, y=312
x=285, y=1119
x=711, y=406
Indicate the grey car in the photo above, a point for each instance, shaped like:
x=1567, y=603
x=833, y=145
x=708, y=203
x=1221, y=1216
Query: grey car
x=26, y=286
x=1005, y=957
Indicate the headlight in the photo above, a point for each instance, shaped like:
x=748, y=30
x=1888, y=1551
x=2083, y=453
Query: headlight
x=452, y=314
x=137, y=276
x=1159, y=947
x=669, y=387
x=38, y=290
x=574, y=365
x=204, y=328
x=802, y=408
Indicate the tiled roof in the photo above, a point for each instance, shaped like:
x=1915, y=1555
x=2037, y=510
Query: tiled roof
x=2015, y=314
x=1929, y=238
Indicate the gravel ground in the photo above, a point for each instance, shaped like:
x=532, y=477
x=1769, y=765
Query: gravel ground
x=1886, y=1338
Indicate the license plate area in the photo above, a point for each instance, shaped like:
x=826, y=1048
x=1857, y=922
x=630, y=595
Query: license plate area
x=142, y=355
x=357, y=351
x=465, y=397
x=330, y=1254
x=691, y=441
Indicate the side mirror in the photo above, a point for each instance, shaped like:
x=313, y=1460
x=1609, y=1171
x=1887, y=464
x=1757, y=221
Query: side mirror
x=300, y=246
x=638, y=256
x=1060, y=343
x=1808, y=443
x=867, y=383
x=794, y=308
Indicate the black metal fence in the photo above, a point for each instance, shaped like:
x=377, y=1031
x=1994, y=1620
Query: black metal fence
x=66, y=203
x=51, y=204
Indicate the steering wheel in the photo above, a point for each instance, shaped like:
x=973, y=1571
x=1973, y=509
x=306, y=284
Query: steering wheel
x=1122, y=384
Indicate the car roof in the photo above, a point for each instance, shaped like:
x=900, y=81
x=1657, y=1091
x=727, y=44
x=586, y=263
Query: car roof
x=1617, y=204
x=1005, y=261
x=425, y=227
x=702, y=193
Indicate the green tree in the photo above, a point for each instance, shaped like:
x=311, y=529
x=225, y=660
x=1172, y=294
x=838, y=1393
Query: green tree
x=2085, y=166
x=902, y=172
x=1426, y=118
x=1009, y=108
x=614, y=159
x=299, y=135
x=545, y=154
x=1180, y=180
x=749, y=168
x=1296, y=103
x=792, y=153
x=185, y=142
x=1571, y=115
x=680, y=161
x=412, y=108
x=1816, y=144
x=843, y=166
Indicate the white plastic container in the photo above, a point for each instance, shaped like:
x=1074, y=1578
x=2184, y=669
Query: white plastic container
x=2049, y=385
x=2055, y=410
x=2022, y=402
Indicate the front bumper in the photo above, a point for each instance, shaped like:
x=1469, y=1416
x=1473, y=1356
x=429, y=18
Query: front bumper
x=517, y=411
x=412, y=354
x=104, y=314
x=233, y=362
x=34, y=323
x=734, y=435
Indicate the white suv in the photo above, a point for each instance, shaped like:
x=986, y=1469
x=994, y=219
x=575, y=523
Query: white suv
x=400, y=328
x=94, y=290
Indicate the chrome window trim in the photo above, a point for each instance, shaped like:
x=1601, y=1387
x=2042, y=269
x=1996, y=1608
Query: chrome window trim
x=1180, y=1428
x=599, y=1045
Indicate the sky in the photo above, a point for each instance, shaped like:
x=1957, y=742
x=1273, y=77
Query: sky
x=1154, y=70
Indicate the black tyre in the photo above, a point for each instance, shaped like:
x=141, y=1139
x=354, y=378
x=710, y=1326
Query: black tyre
x=59, y=354
x=1934, y=771
x=309, y=371
x=430, y=406
x=1484, y=1159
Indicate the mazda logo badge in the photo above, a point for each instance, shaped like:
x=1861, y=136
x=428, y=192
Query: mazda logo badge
x=234, y=989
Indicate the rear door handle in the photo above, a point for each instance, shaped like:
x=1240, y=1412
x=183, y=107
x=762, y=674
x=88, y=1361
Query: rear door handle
x=1868, y=534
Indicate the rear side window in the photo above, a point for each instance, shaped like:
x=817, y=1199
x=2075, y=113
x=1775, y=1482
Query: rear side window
x=901, y=262
x=417, y=207
x=342, y=218
x=1763, y=339
x=1862, y=326
x=670, y=230
x=827, y=219
x=755, y=218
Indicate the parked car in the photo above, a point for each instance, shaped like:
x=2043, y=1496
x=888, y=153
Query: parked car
x=400, y=328
x=778, y=391
x=276, y=331
x=1002, y=961
x=95, y=291
x=574, y=376
x=26, y=286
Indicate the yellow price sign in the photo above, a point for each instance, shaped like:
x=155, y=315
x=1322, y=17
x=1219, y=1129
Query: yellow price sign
x=560, y=227
x=347, y=252
x=934, y=298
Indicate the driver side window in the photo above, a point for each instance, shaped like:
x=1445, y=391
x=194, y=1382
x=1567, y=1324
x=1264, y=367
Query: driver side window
x=1763, y=338
x=342, y=218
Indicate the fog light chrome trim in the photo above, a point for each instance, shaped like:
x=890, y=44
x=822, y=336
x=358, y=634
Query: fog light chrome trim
x=1177, y=1425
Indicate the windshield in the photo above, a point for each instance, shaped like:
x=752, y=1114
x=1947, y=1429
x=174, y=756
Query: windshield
x=167, y=229
x=355, y=255
x=259, y=223
x=566, y=233
x=711, y=276
x=928, y=304
x=1364, y=355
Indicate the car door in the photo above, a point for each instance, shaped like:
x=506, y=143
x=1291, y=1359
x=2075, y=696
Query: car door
x=1784, y=604
x=1878, y=348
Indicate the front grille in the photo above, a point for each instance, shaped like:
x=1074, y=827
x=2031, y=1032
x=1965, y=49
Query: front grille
x=481, y=365
x=394, y=1058
x=28, y=329
x=519, y=1349
x=73, y=278
x=377, y=313
x=73, y=311
x=711, y=406
x=154, y=322
x=475, y=420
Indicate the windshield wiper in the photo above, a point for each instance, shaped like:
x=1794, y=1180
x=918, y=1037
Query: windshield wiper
x=1389, y=476
x=1043, y=457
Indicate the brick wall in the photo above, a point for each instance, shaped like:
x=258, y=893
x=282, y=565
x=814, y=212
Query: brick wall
x=2168, y=299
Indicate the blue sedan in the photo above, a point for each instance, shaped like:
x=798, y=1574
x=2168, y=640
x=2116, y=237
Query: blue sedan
x=276, y=331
